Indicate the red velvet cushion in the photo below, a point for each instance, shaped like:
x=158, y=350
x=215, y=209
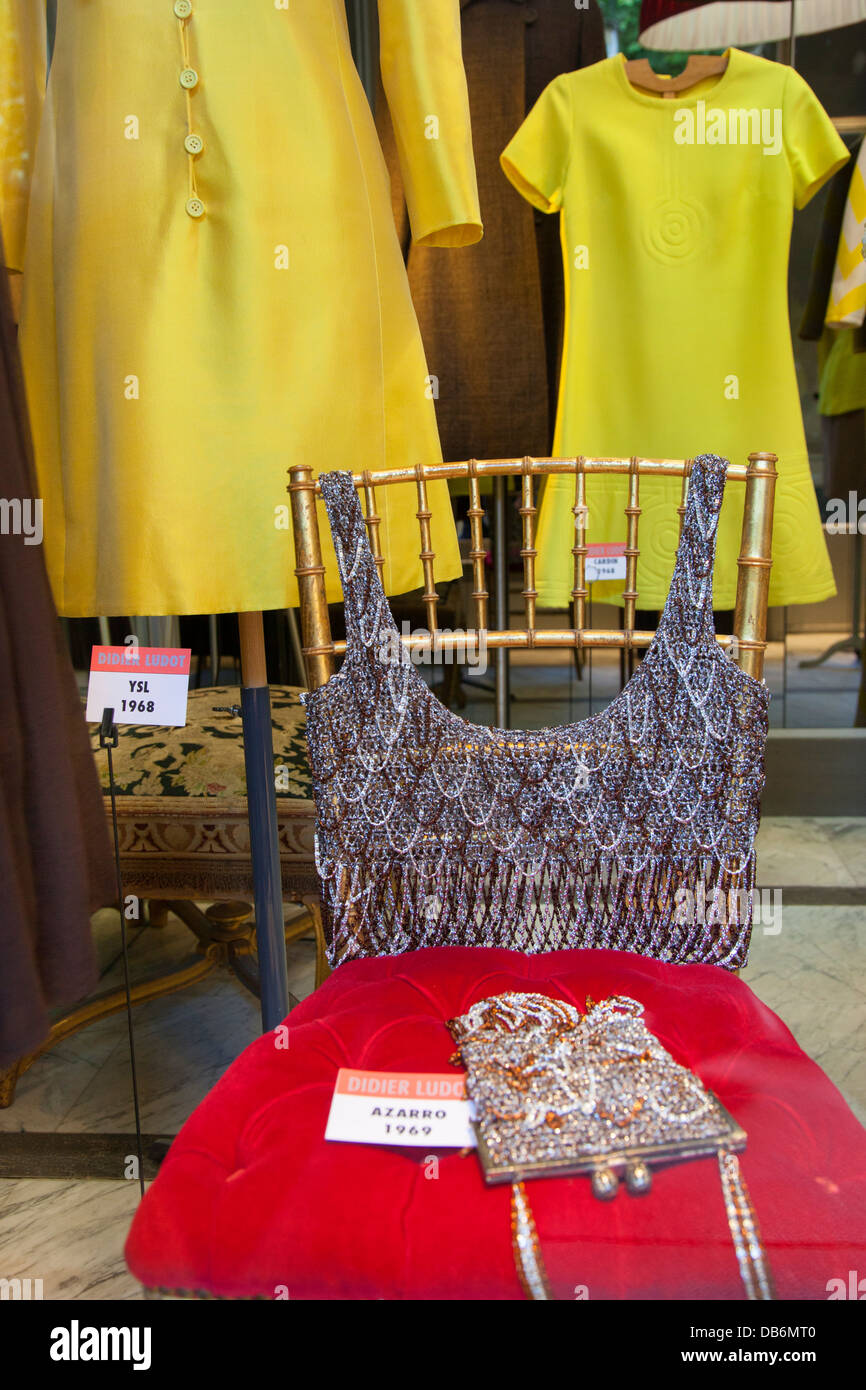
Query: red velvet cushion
x=251, y=1197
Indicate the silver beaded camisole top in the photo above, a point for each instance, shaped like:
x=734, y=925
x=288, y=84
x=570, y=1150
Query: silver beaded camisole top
x=633, y=829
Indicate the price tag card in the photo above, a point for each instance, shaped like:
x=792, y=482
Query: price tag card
x=605, y=561
x=388, y=1107
x=143, y=685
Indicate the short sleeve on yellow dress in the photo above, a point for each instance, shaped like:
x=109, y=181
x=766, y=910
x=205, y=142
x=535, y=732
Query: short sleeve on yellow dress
x=214, y=290
x=811, y=140
x=536, y=159
x=676, y=217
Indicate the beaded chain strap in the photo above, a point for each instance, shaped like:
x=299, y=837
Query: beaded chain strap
x=633, y=829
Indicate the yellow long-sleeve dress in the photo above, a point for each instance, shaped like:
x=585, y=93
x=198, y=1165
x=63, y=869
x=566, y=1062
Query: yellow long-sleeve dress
x=213, y=285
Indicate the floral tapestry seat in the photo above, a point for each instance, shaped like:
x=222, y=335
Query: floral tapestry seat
x=182, y=809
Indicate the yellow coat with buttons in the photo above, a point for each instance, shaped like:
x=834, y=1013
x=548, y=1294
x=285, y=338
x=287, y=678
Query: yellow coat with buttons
x=213, y=286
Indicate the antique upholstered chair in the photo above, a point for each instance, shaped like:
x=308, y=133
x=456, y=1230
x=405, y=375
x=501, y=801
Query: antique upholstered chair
x=184, y=841
x=252, y=1202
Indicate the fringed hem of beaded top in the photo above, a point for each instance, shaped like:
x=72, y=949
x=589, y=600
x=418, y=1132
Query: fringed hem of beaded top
x=632, y=829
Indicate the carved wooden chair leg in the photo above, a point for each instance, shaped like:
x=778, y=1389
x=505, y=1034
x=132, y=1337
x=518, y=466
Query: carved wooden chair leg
x=220, y=922
x=225, y=935
x=302, y=925
x=8, y=1081
x=100, y=1006
x=243, y=963
x=323, y=969
x=241, y=945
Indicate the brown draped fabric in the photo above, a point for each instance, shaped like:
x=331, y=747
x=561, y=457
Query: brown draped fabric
x=491, y=315
x=55, y=858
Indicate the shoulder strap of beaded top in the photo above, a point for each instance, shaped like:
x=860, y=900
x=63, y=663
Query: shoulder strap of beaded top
x=369, y=620
x=688, y=610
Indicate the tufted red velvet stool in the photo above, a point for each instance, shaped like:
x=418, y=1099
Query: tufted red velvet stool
x=252, y=1202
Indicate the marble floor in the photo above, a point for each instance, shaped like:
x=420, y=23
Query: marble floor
x=808, y=963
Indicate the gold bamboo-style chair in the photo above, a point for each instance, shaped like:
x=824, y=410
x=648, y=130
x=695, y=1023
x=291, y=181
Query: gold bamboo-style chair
x=754, y=560
x=253, y=1201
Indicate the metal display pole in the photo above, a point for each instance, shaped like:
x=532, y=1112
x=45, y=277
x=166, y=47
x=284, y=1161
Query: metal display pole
x=362, y=19
x=500, y=553
x=262, y=806
x=109, y=739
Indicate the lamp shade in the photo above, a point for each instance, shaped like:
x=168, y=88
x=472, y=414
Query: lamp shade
x=688, y=25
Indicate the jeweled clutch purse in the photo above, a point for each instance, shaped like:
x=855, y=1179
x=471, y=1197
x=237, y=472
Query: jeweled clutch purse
x=559, y=1092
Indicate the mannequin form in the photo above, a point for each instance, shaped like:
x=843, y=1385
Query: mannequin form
x=213, y=288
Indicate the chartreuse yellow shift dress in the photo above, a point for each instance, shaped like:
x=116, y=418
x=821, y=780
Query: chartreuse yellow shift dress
x=214, y=288
x=676, y=219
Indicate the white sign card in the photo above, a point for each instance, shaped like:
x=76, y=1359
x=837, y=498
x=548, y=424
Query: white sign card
x=423, y=1109
x=143, y=685
x=605, y=561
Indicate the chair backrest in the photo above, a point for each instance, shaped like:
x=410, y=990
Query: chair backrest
x=753, y=576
